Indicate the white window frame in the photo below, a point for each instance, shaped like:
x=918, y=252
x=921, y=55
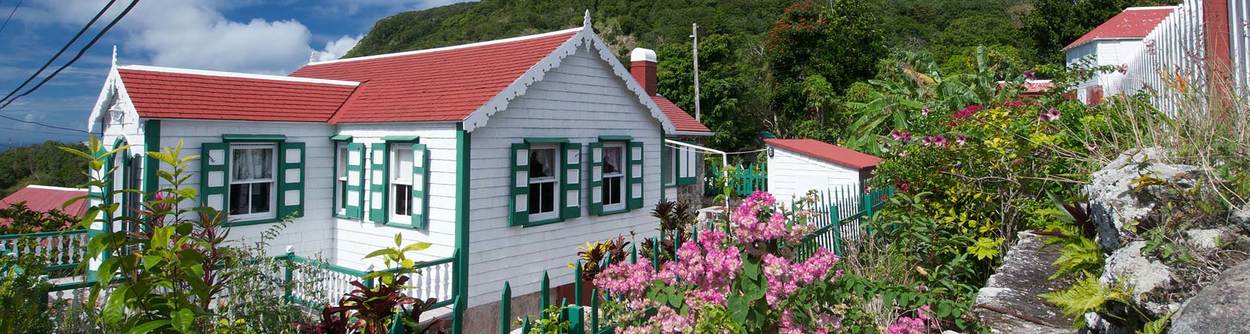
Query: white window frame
x=556, y=154
x=273, y=183
x=624, y=165
x=674, y=165
x=342, y=154
x=395, y=173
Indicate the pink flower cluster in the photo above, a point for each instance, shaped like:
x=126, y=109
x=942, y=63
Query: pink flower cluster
x=707, y=265
x=909, y=325
x=758, y=220
x=825, y=323
x=665, y=321
x=784, y=277
x=968, y=111
x=625, y=279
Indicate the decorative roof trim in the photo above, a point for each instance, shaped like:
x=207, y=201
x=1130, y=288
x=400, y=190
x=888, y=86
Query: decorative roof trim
x=446, y=48
x=585, y=35
x=239, y=75
x=113, y=87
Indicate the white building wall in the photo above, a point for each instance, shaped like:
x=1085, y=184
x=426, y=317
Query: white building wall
x=309, y=235
x=792, y=175
x=580, y=100
x=353, y=239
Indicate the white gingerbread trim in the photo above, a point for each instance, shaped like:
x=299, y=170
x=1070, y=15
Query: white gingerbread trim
x=586, y=35
x=116, y=89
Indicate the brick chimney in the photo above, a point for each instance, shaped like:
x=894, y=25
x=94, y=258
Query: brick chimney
x=642, y=66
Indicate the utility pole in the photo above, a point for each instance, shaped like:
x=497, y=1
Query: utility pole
x=698, y=114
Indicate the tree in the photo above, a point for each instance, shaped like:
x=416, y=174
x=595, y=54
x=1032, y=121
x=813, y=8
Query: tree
x=730, y=67
x=813, y=50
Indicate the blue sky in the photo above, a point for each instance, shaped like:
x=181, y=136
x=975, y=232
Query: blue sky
x=255, y=36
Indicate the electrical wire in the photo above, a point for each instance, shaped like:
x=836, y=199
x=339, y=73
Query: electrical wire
x=6, y=20
x=41, y=124
x=76, y=56
x=63, y=48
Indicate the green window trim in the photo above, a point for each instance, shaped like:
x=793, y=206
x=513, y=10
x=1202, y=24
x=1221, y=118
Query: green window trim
x=623, y=138
x=390, y=139
x=346, y=138
x=151, y=143
x=632, y=179
x=635, y=188
x=289, y=176
x=567, y=192
x=379, y=181
x=381, y=213
x=355, y=208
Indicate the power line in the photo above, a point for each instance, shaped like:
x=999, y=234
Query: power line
x=76, y=56
x=41, y=124
x=63, y=48
x=6, y=20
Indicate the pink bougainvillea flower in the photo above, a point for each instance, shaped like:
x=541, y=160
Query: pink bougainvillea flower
x=625, y=279
x=1014, y=104
x=968, y=111
x=900, y=135
x=961, y=139
x=935, y=140
x=924, y=111
x=904, y=186
x=1050, y=115
x=1030, y=74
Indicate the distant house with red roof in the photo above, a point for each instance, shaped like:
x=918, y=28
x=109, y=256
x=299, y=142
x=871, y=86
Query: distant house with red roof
x=797, y=166
x=512, y=152
x=47, y=198
x=1112, y=43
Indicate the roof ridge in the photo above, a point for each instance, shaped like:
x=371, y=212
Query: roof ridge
x=237, y=75
x=38, y=186
x=447, y=48
x=1150, y=8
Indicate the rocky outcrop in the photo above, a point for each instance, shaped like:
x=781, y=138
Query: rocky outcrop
x=1115, y=199
x=1144, y=276
x=1220, y=307
x=1241, y=218
x=1009, y=302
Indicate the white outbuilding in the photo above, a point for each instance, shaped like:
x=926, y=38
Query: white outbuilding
x=797, y=166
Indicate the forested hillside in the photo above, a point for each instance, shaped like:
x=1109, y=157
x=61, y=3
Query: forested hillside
x=43, y=164
x=793, y=69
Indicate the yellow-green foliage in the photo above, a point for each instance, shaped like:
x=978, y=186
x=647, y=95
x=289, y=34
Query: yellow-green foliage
x=1080, y=255
x=1087, y=295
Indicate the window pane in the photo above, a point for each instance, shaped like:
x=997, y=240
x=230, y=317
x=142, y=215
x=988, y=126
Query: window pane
x=549, y=197
x=534, y=201
x=242, y=162
x=401, y=168
x=260, y=197
x=238, y=199
x=612, y=159
x=402, y=203
x=542, y=163
x=341, y=164
x=342, y=194
x=263, y=163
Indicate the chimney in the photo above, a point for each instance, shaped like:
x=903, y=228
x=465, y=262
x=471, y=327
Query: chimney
x=642, y=66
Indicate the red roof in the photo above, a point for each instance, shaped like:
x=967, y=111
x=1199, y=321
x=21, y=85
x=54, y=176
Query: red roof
x=681, y=120
x=827, y=152
x=1133, y=22
x=190, y=94
x=45, y=198
x=445, y=84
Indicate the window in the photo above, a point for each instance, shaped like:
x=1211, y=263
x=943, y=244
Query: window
x=340, y=179
x=674, y=163
x=543, y=182
x=613, y=176
x=401, y=182
x=252, y=181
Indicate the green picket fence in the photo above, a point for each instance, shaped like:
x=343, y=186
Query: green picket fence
x=837, y=218
x=744, y=180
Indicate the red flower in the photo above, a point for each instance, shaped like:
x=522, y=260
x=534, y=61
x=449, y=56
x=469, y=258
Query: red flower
x=904, y=186
x=968, y=111
x=1014, y=104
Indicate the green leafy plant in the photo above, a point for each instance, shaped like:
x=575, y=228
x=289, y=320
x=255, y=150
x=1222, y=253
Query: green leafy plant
x=1087, y=295
x=377, y=308
x=22, y=289
x=552, y=321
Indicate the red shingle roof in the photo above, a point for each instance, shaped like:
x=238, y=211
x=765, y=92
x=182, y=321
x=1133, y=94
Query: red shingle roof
x=827, y=152
x=445, y=84
x=190, y=94
x=45, y=198
x=1133, y=22
x=681, y=120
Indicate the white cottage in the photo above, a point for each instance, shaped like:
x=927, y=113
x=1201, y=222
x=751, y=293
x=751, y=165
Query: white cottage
x=510, y=153
x=797, y=166
x=1112, y=43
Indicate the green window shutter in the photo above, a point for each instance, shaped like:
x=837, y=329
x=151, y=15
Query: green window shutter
x=596, y=178
x=378, y=181
x=633, y=190
x=355, y=180
x=420, y=184
x=518, y=206
x=214, y=175
x=571, y=181
x=666, y=167
x=291, y=180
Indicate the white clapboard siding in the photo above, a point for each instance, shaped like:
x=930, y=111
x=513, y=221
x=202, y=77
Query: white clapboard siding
x=580, y=100
x=308, y=235
x=793, y=175
x=356, y=238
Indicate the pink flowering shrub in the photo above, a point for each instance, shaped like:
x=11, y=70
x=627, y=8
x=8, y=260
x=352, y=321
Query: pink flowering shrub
x=746, y=280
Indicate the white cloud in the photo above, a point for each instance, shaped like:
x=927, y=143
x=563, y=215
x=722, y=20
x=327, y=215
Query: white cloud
x=195, y=34
x=337, y=48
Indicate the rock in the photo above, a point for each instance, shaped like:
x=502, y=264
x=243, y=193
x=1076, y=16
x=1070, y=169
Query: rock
x=710, y=213
x=1241, y=218
x=1141, y=274
x=1097, y=324
x=1223, y=306
x=1204, y=239
x=1115, y=203
x=1009, y=302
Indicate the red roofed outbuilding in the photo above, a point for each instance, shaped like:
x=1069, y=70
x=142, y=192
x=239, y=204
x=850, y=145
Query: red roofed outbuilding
x=1112, y=43
x=796, y=166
